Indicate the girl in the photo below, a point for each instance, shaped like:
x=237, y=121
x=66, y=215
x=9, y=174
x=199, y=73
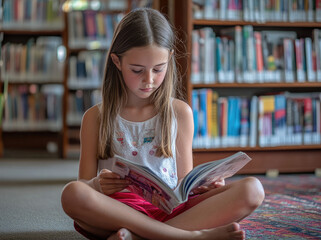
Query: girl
x=140, y=119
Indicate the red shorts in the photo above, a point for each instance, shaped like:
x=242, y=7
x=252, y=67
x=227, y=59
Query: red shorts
x=141, y=205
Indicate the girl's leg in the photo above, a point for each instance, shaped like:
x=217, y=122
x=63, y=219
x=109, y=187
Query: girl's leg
x=220, y=206
x=103, y=215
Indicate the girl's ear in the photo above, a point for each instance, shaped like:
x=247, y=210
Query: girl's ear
x=116, y=60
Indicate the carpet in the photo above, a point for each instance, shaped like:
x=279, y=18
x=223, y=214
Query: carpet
x=291, y=209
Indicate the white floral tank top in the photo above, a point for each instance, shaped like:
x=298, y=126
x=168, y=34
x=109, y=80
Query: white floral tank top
x=138, y=142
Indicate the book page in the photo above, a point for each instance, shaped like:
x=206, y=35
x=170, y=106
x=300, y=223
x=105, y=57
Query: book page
x=207, y=173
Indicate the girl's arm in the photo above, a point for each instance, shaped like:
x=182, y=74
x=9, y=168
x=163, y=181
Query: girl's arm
x=89, y=144
x=106, y=182
x=185, y=131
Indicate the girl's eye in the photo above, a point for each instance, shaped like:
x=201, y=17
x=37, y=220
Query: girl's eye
x=137, y=71
x=158, y=70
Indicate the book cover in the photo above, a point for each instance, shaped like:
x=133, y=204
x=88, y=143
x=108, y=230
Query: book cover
x=318, y=10
x=235, y=34
x=195, y=108
x=308, y=120
x=215, y=120
x=195, y=74
x=202, y=116
x=317, y=50
x=280, y=120
x=289, y=68
x=311, y=75
x=259, y=56
x=244, y=128
x=266, y=116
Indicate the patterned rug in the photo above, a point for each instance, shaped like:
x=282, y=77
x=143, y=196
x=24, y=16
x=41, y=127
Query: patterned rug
x=291, y=209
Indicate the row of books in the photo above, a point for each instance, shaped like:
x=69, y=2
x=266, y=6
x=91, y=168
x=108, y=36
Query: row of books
x=78, y=102
x=40, y=60
x=91, y=29
x=32, y=108
x=32, y=14
x=265, y=121
x=86, y=69
x=258, y=10
x=243, y=55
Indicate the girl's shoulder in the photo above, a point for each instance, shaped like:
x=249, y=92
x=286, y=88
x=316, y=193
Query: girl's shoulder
x=92, y=114
x=181, y=109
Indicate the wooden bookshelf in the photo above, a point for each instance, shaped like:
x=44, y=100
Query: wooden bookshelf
x=296, y=158
x=21, y=133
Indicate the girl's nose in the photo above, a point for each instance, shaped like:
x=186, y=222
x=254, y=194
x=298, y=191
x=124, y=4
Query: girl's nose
x=149, y=77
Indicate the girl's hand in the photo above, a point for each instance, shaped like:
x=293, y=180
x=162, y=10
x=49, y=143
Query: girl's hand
x=111, y=182
x=203, y=189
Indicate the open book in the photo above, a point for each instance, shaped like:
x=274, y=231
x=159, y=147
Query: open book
x=149, y=186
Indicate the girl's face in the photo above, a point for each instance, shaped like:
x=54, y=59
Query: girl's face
x=143, y=69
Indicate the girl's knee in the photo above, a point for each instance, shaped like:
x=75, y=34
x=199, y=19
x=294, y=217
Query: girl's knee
x=253, y=192
x=71, y=196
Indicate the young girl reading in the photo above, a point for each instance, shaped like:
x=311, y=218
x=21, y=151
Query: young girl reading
x=141, y=120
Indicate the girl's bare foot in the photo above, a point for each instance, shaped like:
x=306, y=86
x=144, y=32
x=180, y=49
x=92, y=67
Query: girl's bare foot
x=230, y=231
x=122, y=234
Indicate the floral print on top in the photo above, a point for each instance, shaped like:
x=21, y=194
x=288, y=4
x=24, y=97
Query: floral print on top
x=138, y=142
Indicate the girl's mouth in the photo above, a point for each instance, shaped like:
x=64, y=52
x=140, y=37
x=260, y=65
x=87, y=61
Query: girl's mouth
x=146, y=89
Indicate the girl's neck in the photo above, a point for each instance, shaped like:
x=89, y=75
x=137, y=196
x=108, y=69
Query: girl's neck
x=138, y=112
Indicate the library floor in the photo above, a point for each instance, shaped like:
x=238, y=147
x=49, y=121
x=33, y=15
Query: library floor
x=30, y=198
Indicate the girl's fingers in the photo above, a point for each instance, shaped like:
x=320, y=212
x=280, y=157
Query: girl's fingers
x=200, y=190
x=105, y=173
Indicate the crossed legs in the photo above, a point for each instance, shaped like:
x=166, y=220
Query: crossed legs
x=216, y=210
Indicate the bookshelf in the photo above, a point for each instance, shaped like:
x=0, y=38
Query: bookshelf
x=66, y=42
x=33, y=56
x=285, y=155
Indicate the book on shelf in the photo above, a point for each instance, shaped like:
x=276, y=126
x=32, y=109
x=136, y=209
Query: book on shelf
x=253, y=108
x=318, y=10
x=310, y=70
x=153, y=189
x=317, y=52
x=235, y=34
x=289, y=60
x=300, y=60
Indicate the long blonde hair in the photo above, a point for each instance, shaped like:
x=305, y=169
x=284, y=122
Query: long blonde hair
x=141, y=27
